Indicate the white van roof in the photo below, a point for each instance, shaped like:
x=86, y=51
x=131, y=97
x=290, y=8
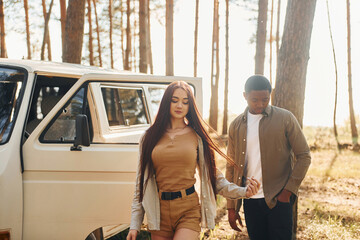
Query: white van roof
x=55, y=68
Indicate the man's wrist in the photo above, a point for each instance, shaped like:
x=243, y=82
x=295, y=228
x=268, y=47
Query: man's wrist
x=286, y=192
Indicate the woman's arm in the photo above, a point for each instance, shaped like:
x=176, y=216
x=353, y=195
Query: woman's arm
x=232, y=191
x=137, y=210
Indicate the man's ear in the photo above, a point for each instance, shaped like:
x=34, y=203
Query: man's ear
x=244, y=94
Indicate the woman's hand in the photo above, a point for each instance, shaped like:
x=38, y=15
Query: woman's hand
x=252, y=187
x=132, y=234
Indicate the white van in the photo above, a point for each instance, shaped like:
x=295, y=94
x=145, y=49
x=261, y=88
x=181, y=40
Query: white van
x=51, y=185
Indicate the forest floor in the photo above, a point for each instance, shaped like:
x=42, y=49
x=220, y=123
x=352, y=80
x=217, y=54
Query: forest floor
x=329, y=196
x=328, y=206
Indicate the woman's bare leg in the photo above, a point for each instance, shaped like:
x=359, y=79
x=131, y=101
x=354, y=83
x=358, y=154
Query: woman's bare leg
x=185, y=233
x=157, y=237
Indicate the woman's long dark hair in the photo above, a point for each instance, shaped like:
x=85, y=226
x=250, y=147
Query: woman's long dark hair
x=162, y=121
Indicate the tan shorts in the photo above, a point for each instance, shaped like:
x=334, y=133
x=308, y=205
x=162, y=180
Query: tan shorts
x=179, y=213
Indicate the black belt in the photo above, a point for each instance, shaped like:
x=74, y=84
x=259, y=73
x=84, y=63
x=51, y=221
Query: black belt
x=174, y=195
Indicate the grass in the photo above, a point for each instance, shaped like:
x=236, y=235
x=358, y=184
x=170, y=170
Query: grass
x=323, y=223
x=329, y=205
x=329, y=197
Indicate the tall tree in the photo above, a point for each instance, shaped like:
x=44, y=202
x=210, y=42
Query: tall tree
x=63, y=21
x=74, y=31
x=91, y=51
x=46, y=38
x=133, y=62
x=261, y=37
x=3, y=52
x=110, y=34
x=169, y=51
x=277, y=40
x=278, y=30
x=293, y=61
x=215, y=68
x=336, y=76
x=97, y=33
x=354, y=132
x=271, y=38
x=122, y=31
x=226, y=89
x=148, y=42
x=143, y=7
x=26, y=7
x=196, y=36
x=46, y=31
x=128, y=37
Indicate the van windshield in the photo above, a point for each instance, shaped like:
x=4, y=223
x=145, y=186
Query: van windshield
x=11, y=84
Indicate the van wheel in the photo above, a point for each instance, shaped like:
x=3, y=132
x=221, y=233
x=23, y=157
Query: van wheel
x=97, y=234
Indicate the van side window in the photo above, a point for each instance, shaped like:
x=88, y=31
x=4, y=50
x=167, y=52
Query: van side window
x=47, y=93
x=12, y=82
x=124, y=106
x=63, y=128
x=156, y=94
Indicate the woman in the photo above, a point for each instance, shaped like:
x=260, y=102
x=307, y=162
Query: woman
x=171, y=150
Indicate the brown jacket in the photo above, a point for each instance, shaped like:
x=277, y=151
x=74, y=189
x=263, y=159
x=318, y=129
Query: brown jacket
x=280, y=138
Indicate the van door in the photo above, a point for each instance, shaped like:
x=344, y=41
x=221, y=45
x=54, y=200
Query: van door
x=68, y=194
x=15, y=88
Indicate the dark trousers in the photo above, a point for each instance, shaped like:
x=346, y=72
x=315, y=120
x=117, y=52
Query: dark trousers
x=264, y=223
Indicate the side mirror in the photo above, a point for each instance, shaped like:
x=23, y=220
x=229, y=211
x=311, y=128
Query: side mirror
x=82, y=133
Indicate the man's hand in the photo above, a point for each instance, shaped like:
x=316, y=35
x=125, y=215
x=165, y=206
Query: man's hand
x=284, y=196
x=132, y=234
x=232, y=217
x=252, y=187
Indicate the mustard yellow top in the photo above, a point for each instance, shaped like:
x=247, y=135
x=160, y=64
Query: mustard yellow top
x=174, y=158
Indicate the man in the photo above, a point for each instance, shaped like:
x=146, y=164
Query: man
x=263, y=141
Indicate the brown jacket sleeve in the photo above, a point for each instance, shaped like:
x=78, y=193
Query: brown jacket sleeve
x=229, y=175
x=301, y=151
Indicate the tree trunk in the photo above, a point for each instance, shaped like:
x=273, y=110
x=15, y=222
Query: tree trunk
x=169, y=51
x=74, y=31
x=148, y=42
x=261, y=37
x=122, y=31
x=63, y=21
x=196, y=36
x=225, y=118
x=128, y=37
x=293, y=61
x=46, y=38
x=278, y=31
x=271, y=39
x=3, y=52
x=97, y=33
x=135, y=26
x=91, y=51
x=143, y=35
x=354, y=133
x=277, y=45
x=110, y=34
x=336, y=77
x=26, y=7
x=215, y=64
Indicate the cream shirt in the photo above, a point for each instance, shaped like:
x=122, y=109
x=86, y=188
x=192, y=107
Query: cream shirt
x=253, y=155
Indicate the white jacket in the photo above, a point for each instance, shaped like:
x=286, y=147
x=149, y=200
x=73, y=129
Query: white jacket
x=151, y=202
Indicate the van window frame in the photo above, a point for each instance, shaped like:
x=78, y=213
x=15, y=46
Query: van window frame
x=121, y=85
x=20, y=99
x=42, y=135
